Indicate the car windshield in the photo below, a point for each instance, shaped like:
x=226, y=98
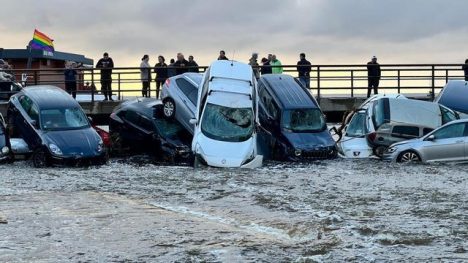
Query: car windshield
x=303, y=120
x=447, y=115
x=169, y=129
x=63, y=119
x=227, y=124
x=357, y=125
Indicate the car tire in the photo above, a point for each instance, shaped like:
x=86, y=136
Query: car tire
x=379, y=150
x=409, y=157
x=169, y=108
x=39, y=158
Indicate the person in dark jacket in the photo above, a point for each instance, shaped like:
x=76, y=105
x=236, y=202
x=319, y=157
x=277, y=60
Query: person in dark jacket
x=171, y=71
x=106, y=64
x=70, y=79
x=193, y=66
x=465, y=69
x=181, y=64
x=222, y=55
x=161, y=73
x=265, y=69
x=373, y=76
x=303, y=69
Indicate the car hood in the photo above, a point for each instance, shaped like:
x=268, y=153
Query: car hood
x=407, y=142
x=82, y=142
x=307, y=141
x=224, y=154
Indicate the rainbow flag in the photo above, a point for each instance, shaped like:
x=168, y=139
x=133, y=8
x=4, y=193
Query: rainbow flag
x=42, y=42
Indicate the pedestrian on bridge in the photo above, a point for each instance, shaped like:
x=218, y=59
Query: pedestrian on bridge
x=161, y=73
x=145, y=76
x=373, y=76
x=276, y=67
x=465, y=69
x=106, y=64
x=303, y=69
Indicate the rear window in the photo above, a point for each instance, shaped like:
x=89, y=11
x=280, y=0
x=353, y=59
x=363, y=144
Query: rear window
x=381, y=112
x=405, y=131
x=447, y=115
x=185, y=86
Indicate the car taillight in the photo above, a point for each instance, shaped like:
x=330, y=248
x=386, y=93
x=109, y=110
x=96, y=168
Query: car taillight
x=372, y=136
x=168, y=81
x=112, y=115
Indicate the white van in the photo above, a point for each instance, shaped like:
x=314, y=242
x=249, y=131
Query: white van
x=226, y=118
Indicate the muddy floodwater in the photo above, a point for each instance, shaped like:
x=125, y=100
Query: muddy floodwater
x=327, y=211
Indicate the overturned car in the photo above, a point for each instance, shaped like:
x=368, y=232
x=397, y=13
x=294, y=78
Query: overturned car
x=389, y=120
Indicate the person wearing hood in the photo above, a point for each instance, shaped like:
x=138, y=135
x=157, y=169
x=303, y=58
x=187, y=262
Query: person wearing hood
x=303, y=69
x=276, y=67
x=266, y=69
x=373, y=76
x=145, y=75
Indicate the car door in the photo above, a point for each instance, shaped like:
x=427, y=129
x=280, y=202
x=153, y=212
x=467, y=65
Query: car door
x=186, y=107
x=448, y=144
x=23, y=122
x=131, y=133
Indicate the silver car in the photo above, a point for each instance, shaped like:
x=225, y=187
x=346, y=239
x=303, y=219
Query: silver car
x=179, y=96
x=447, y=143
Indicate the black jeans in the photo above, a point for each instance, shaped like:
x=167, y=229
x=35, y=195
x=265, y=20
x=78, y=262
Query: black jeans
x=145, y=91
x=70, y=86
x=159, y=84
x=106, y=88
x=373, y=83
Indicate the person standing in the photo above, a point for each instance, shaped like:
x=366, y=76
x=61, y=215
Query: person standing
x=465, y=69
x=373, y=76
x=303, y=69
x=70, y=78
x=161, y=73
x=180, y=64
x=254, y=64
x=106, y=64
x=171, y=71
x=222, y=55
x=266, y=69
x=193, y=66
x=145, y=76
x=276, y=65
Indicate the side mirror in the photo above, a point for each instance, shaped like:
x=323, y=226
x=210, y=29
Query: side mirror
x=430, y=138
x=193, y=121
x=90, y=120
x=35, y=124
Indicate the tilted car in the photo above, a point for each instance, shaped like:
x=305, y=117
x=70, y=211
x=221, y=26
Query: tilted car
x=447, y=143
x=54, y=127
x=226, y=118
x=454, y=96
x=179, y=96
x=294, y=126
x=139, y=126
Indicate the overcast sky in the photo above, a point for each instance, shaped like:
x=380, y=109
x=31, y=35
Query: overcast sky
x=328, y=31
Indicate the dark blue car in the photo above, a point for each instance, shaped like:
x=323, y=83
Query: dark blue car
x=55, y=127
x=293, y=125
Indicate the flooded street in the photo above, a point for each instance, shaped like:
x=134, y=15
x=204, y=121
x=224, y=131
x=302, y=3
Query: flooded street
x=328, y=211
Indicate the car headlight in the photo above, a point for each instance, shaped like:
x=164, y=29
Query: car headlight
x=391, y=149
x=100, y=147
x=55, y=149
x=5, y=150
x=298, y=152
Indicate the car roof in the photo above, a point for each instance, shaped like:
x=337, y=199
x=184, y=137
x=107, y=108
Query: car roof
x=417, y=112
x=288, y=92
x=454, y=95
x=47, y=97
x=144, y=105
x=231, y=70
x=195, y=77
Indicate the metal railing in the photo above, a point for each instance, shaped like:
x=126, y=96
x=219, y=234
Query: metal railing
x=325, y=80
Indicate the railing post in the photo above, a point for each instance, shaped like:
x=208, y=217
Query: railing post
x=352, y=83
x=35, y=78
x=118, y=86
x=433, y=82
x=318, y=83
x=398, y=79
x=446, y=76
x=92, y=85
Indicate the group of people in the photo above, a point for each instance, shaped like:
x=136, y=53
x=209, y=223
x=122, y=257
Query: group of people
x=269, y=65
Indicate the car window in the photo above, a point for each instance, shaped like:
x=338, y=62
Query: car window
x=34, y=113
x=268, y=103
x=185, y=86
x=451, y=131
x=427, y=130
x=447, y=115
x=357, y=125
x=26, y=103
x=380, y=111
x=193, y=96
x=145, y=123
x=131, y=117
x=405, y=131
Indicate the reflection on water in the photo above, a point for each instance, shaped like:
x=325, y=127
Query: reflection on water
x=338, y=210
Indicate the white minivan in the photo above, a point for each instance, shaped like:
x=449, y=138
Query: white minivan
x=227, y=116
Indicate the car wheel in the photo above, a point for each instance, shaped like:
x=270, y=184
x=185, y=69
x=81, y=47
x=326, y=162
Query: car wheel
x=169, y=108
x=409, y=157
x=39, y=158
x=379, y=151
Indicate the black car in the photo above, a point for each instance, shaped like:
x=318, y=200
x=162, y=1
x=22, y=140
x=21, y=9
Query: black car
x=139, y=126
x=293, y=126
x=55, y=127
x=5, y=148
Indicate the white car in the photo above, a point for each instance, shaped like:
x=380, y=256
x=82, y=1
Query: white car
x=226, y=118
x=354, y=142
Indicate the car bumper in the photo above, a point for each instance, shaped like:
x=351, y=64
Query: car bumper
x=389, y=157
x=78, y=160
